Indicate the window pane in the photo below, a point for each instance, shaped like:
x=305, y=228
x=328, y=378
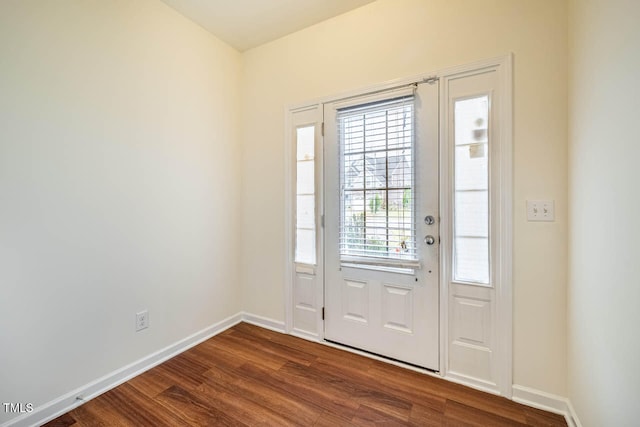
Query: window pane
x=305, y=246
x=353, y=134
x=304, y=137
x=471, y=172
x=471, y=217
x=354, y=171
x=471, y=187
x=375, y=130
x=376, y=209
x=400, y=131
x=401, y=240
x=399, y=168
x=352, y=223
x=305, y=215
x=471, y=120
x=375, y=166
x=305, y=183
x=471, y=255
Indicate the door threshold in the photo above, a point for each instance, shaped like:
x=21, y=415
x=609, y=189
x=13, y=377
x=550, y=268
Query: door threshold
x=381, y=358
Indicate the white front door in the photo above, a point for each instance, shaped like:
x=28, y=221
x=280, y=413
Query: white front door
x=382, y=224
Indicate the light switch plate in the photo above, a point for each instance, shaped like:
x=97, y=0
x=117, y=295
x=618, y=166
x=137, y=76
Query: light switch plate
x=541, y=210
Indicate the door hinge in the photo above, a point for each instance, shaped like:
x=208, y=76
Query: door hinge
x=322, y=313
x=322, y=221
x=322, y=129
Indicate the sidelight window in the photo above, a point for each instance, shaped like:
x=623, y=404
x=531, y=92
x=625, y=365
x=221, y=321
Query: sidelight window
x=471, y=190
x=305, y=195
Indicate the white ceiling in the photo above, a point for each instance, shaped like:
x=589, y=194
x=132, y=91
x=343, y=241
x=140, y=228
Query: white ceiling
x=249, y=23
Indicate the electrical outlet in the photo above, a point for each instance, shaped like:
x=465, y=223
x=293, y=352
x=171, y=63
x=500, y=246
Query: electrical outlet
x=541, y=210
x=142, y=320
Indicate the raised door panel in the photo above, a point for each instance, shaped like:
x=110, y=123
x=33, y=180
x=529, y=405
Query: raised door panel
x=397, y=308
x=355, y=301
x=471, y=340
x=305, y=305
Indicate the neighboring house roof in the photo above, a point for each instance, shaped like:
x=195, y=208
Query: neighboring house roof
x=376, y=169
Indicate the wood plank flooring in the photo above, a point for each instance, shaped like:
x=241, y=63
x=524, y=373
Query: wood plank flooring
x=252, y=376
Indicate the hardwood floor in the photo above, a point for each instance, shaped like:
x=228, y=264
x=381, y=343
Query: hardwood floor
x=252, y=376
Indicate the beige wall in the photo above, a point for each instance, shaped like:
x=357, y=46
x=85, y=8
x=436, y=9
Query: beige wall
x=604, y=285
x=120, y=164
x=389, y=39
x=119, y=172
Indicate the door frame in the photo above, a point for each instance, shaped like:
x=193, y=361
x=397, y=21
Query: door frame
x=502, y=264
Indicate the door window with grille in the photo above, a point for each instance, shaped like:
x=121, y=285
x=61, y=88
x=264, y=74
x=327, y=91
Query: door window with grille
x=377, y=181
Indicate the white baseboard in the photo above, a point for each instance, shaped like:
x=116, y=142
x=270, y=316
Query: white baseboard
x=69, y=401
x=572, y=417
x=484, y=386
x=264, y=322
x=305, y=335
x=547, y=402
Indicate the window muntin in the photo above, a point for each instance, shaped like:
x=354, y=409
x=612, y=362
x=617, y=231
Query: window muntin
x=471, y=190
x=377, y=180
x=305, y=252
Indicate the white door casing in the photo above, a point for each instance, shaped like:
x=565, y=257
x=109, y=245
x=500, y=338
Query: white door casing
x=467, y=312
x=373, y=308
